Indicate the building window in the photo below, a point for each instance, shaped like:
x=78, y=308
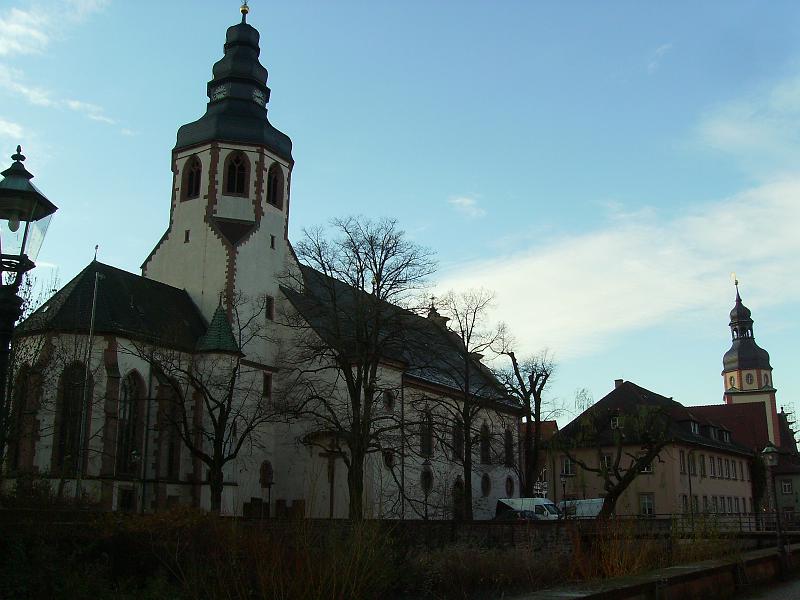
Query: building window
x=605, y=462
x=648, y=468
x=20, y=417
x=702, y=458
x=426, y=435
x=269, y=307
x=388, y=459
x=766, y=379
x=695, y=504
x=128, y=426
x=509, y=487
x=682, y=456
x=486, y=485
x=730, y=505
x=786, y=486
x=68, y=419
x=272, y=242
x=684, y=503
x=714, y=506
x=736, y=504
x=692, y=464
x=727, y=469
x=749, y=379
x=732, y=381
x=275, y=186
x=509, y=448
x=186, y=236
x=486, y=447
x=458, y=440
x=719, y=467
x=726, y=436
x=695, y=427
x=266, y=387
x=388, y=400
x=193, y=170
x=713, y=466
x=236, y=168
x=705, y=504
x=426, y=480
x=647, y=505
x=567, y=466
x=733, y=469
x=615, y=421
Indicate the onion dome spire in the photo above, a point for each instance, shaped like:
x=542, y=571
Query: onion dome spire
x=238, y=97
x=744, y=352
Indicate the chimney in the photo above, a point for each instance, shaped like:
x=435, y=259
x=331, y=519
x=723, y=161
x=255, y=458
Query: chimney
x=618, y=382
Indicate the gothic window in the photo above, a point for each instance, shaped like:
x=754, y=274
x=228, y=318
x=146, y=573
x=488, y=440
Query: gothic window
x=486, y=449
x=170, y=428
x=486, y=485
x=509, y=487
x=388, y=400
x=193, y=169
x=426, y=435
x=19, y=433
x=71, y=389
x=236, y=171
x=458, y=440
x=128, y=426
x=458, y=499
x=266, y=386
x=509, y=448
x=275, y=186
x=426, y=480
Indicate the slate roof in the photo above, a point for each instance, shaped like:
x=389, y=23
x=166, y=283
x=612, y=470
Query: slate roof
x=746, y=422
x=128, y=305
x=430, y=352
x=628, y=396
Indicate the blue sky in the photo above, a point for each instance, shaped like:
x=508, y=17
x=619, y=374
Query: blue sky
x=603, y=167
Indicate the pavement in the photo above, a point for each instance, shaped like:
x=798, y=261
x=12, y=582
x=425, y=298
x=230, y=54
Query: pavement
x=788, y=590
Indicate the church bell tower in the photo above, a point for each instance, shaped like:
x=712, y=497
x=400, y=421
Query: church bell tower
x=228, y=221
x=746, y=372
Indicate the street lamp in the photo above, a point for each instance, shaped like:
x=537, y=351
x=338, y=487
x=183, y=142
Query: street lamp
x=770, y=456
x=24, y=216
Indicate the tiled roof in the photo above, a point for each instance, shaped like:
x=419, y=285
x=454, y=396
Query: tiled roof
x=127, y=305
x=219, y=335
x=628, y=397
x=429, y=351
x=746, y=422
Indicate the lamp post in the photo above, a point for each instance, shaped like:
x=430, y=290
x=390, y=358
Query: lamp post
x=770, y=456
x=24, y=216
x=563, y=494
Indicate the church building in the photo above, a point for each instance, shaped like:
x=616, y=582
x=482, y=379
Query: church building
x=95, y=413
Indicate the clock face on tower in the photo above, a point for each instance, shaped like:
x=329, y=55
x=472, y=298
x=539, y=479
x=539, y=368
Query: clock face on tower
x=259, y=98
x=219, y=92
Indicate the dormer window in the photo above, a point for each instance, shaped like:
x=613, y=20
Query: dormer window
x=236, y=171
x=726, y=436
x=191, y=180
x=695, y=427
x=615, y=422
x=275, y=186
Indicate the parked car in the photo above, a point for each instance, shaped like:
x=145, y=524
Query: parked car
x=535, y=509
x=587, y=508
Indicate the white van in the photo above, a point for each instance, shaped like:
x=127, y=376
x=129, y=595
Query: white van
x=588, y=508
x=531, y=509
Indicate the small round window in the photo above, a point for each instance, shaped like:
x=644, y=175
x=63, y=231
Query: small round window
x=509, y=487
x=486, y=485
x=749, y=378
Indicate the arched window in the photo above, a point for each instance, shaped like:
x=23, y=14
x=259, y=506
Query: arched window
x=458, y=499
x=129, y=426
x=426, y=481
x=509, y=487
x=486, y=485
x=749, y=379
x=20, y=434
x=236, y=174
x=266, y=475
x=426, y=435
x=486, y=449
x=509, y=448
x=458, y=440
x=192, y=170
x=275, y=186
x=71, y=389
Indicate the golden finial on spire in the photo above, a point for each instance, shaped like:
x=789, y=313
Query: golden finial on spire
x=244, y=10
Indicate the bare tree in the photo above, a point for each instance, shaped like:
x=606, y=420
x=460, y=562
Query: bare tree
x=470, y=416
x=219, y=399
x=623, y=444
x=527, y=380
x=348, y=320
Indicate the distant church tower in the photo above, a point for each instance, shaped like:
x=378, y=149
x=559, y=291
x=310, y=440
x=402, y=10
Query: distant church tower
x=746, y=372
x=228, y=222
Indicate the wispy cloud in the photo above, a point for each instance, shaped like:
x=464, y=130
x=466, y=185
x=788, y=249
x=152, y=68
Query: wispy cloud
x=467, y=206
x=654, y=61
x=577, y=292
x=761, y=130
x=11, y=130
x=23, y=32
